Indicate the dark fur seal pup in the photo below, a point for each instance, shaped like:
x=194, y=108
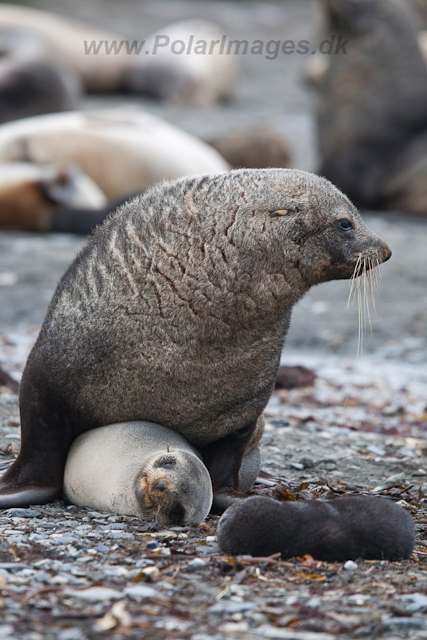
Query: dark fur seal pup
x=141, y=469
x=176, y=311
x=34, y=88
x=344, y=529
x=373, y=99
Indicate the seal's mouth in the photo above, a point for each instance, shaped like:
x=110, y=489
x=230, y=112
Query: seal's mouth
x=367, y=263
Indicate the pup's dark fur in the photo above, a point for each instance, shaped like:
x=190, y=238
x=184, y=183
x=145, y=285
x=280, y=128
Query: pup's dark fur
x=176, y=311
x=343, y=529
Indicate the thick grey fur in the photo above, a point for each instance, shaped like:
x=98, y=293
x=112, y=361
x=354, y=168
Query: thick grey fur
x=176, y=312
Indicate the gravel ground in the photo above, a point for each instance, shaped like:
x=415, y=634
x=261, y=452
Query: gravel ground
x=70, y=573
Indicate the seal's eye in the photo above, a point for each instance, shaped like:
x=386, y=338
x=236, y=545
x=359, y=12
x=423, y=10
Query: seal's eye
x=345, y=224
x=167, y=462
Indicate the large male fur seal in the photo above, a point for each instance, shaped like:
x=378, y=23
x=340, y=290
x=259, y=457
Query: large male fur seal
x=176, y=311
x=344, y=529
x=373, y=101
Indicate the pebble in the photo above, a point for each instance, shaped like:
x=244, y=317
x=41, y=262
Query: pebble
x=196, y=564
x=22, y=513
x=94, y=594
x=228, y=606
x=416, y=601
x=151, y=545
x=350, y=565
x=140, y=591
x=274, y=633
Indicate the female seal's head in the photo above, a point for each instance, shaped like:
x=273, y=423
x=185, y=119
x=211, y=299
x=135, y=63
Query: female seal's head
x=175, y=488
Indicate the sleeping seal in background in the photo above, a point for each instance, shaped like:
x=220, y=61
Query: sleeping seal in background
x=122, y=150
x=176, y=312
x=146, y=470
x=343, y=529
x=372, y=101
x=33, y=197
x=140, y=469
x=102, y=63
x=192, y=77
x=61, y=41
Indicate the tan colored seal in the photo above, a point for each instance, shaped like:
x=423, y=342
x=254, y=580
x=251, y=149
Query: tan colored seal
x=123, y=150
x=183, y=65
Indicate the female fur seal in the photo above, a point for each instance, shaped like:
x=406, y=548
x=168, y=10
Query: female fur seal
x=71, y=44
x=176, y=311
x=122, y=150
x=190, y=77
x=32, y=197
x=344, y=529
x=144, y=469
x=141, y=469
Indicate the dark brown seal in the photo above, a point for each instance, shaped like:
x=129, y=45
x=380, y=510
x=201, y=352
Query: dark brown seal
x=344, y=529
x=257, y=146
x=372, y=101
x=176, y=312
x=34, y=88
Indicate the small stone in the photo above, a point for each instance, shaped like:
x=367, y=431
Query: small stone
x=350, y=565
x=120, y=535
x=275, y=633
x=151, y=545
x=22, y=513
x=71, y=634
x=416, y=601
x=13, y=566
x=140, y=591
x=228, y=606
x=396, y=480
x=297, y=465
x=196, y=564
x=94, y=594
x=419, y=472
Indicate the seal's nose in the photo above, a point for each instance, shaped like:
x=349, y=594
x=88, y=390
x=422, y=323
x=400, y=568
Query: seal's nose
x=388, y=254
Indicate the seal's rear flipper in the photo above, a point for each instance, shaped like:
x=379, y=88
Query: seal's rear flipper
x=14, y=495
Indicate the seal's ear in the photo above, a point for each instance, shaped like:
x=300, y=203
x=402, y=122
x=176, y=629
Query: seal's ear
x=279, y=212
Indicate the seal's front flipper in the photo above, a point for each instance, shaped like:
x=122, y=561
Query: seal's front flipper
x=224, y=457
x=15, y=495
